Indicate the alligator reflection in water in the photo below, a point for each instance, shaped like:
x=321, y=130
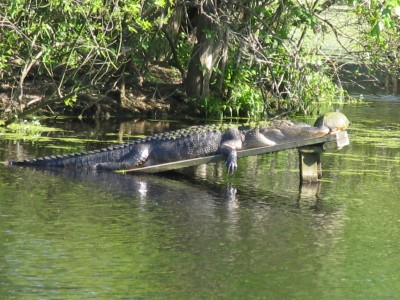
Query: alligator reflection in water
x=73, y=220
x=183, y=199
x=170, y=186
x=200, y=188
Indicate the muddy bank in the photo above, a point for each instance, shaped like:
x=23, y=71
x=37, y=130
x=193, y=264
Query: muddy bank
x=151, y=99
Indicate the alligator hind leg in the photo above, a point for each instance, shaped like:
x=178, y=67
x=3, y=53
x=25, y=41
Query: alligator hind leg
x=129, y=161
x=120, y=165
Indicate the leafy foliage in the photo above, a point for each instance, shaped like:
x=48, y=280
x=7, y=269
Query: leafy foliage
x=382, y=35
x=78, y=44
x=255, y=60
x=271, y=70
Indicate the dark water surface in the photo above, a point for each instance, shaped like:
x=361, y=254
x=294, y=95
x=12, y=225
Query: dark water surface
x=253, y=235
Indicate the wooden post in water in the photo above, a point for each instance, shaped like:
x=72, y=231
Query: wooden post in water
x=310, y=157
x=310, y=163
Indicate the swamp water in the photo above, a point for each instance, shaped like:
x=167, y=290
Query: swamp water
x=253, y=235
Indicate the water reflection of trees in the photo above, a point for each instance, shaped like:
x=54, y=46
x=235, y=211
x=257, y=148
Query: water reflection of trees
x=78, y=136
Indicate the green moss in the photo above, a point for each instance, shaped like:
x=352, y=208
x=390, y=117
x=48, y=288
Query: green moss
x=25, y=130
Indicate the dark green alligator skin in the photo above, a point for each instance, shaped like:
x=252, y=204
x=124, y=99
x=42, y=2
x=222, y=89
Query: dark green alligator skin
x=161, y=148
x=177, y=145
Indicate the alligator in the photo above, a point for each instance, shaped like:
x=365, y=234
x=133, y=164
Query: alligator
x=171, y=146
x=189, y=143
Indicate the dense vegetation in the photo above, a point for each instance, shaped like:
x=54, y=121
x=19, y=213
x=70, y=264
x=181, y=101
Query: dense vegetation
x=248, y=58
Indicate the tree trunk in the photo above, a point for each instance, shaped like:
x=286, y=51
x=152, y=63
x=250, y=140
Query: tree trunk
x=205, y=54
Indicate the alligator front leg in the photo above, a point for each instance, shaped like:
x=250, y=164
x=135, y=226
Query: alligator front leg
x=231, y=142
x=231, y=158
x=136, y=157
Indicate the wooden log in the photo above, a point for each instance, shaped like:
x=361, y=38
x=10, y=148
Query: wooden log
x=291, y=144
x=342, y=140
x=310, y=157
x=309, y=193
x=310, y=164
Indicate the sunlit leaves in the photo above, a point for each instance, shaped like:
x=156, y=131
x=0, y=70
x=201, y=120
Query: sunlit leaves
x=380, y=33
x=93, y=38
x=382, y=15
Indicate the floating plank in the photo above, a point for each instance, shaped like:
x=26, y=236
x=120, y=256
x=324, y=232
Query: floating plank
x=339, y=139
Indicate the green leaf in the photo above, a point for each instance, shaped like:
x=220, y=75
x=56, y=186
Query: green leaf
x=375, y=31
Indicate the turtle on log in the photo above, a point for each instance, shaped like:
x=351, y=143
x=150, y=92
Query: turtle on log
x=335, y=121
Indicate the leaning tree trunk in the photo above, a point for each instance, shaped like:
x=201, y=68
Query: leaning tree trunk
x=205, y=55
